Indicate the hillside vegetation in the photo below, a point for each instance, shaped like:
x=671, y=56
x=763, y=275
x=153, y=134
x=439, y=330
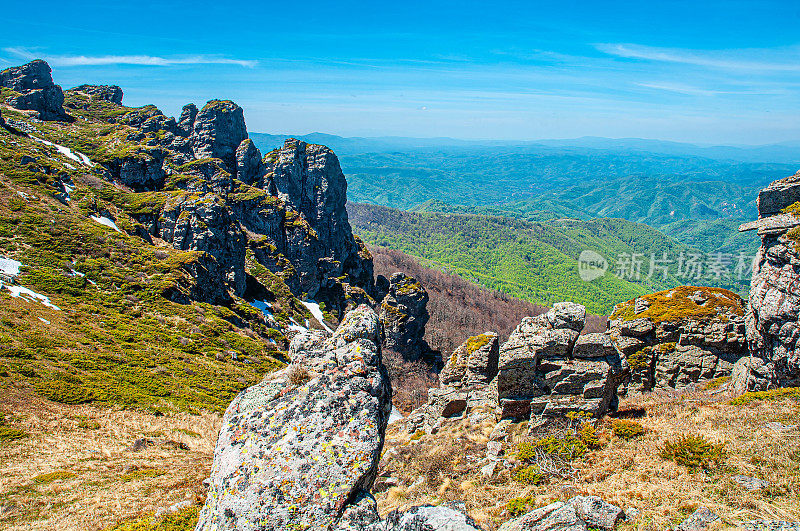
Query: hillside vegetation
x=533, y=261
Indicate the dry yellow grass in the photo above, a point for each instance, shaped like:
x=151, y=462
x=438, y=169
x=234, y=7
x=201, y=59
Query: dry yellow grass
x=629, y=473
x=86, y=479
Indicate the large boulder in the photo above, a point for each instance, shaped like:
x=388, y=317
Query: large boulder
x=218, y=130
x=404, y=314
x=576, y=514
x=300, y=449
x=34, y=90
x=772, y=313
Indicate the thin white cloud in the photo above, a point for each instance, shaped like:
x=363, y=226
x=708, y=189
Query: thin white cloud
x=775, y=59
x=142, y=60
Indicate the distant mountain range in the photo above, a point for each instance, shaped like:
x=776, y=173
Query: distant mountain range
x=783, y=152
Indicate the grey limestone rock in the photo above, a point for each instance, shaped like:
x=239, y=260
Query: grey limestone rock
x=558, y=516
x=404, y=314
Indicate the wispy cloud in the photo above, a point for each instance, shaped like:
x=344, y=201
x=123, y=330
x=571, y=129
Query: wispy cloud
x=769, y=59
x=142, y=60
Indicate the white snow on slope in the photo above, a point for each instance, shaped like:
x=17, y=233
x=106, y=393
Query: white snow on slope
x=315, y=310
x=30, y=296
x=9, y=267
x=102, y=220
x=67, y=152
x=264, y=306
x=395, y=415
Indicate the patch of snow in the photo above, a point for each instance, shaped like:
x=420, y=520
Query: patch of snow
x=296, y=327
x=45, y=321
x=315, y=310
x=102, y=220
x=30, y=296
x=264, y=306
x=23, y=195
x=395, y=415
x=74, y=273
x=9, y=267
x=78, y=157
x=70, y=166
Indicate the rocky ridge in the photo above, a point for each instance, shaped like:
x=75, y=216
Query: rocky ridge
x=209, y=190
x=774, y=303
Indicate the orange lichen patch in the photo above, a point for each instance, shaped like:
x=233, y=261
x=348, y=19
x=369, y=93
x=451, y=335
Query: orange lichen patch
x=674, y=304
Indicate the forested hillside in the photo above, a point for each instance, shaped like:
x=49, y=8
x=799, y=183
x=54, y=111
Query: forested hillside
x=533, y=261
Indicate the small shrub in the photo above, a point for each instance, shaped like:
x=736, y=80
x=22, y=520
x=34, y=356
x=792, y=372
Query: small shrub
x=519, y=506
x=417, y=435
x=627, y=429
x=53, y=476
x=7, y=434
x=530, y=475
x=773, y=394
x=717, y=382
x=183, y=520
x=64, y=391
x=566, y=447
x=298, y=376
x=589, y=436
x=694, y=452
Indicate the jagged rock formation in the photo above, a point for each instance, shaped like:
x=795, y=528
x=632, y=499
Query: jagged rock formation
x=404, y=315
x=301, y=446
x=774, y=304
x=679, y=337
x=34, y=90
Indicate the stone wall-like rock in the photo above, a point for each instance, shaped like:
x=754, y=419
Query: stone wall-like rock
x=109, y=93
x=300, y=448
x=774, y=304
x=36, y=89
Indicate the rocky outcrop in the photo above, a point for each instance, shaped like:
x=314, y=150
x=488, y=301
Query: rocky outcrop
x=546, y=370
x=404, y=314
x=774, y=304
x=302, y=447
x=188, y=115
x=249, y=168
x=310, y=182
x=680, y=337
x=35, y=90
x=109, y=93
x=217, y=131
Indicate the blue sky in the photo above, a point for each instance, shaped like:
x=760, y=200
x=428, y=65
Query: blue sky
x=706, y=72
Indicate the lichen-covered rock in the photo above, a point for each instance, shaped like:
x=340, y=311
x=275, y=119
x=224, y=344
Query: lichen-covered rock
x=680, y=337
x=531, y=341
x=217, y=132
x=35, y=90
x=774, y=304
x=473, y=363
x=110, y=93
x=548, y=369
x=448, y=517
x=597, y=513
x=558, y=516
x=404, y=314
x=299, y=452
